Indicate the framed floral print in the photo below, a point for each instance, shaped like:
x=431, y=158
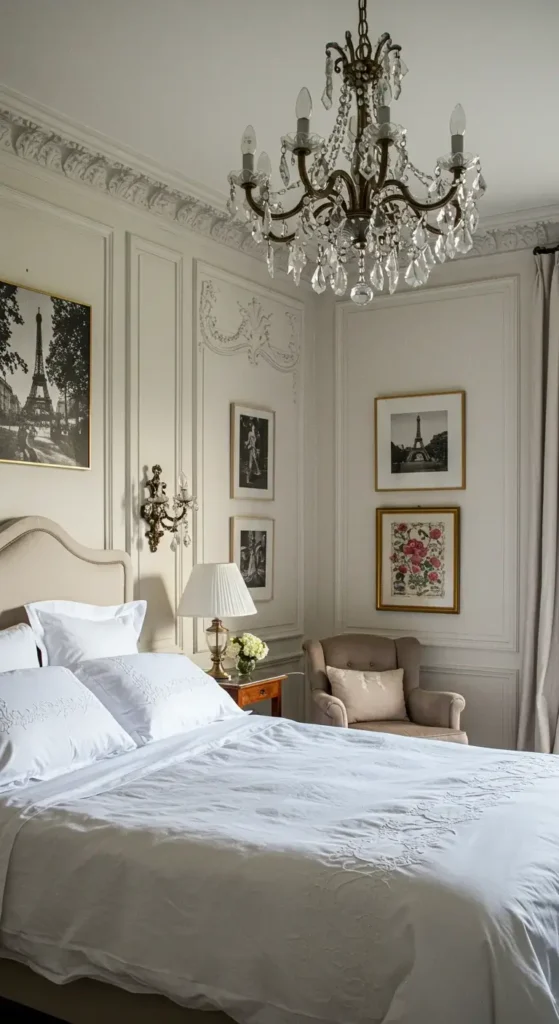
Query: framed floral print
x=420, y=442
x=252, y=452
x=418, y=559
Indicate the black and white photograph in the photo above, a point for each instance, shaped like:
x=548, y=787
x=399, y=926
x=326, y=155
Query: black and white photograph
x=252, y=452
x=45, y=378
x=420, y=442
x=252, y=548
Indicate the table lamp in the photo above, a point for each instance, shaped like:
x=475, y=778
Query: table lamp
x=216, y=590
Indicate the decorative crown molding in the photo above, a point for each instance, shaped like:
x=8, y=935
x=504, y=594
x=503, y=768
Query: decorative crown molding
x=99, y=167
x=36, y=134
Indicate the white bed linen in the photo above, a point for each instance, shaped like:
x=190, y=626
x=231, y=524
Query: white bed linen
x=288, y=873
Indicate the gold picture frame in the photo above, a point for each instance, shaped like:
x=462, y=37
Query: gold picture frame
x=404, y=459
x=258, y=578
x=38, y=427
x=418, y=559
x=252, y=452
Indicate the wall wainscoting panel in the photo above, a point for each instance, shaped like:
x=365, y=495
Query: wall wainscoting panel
x=461, y=336
x=155, y=401
x=248, y=351
x=64, y=253
x=491, y=697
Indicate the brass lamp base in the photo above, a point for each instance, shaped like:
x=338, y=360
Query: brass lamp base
x=217, y=638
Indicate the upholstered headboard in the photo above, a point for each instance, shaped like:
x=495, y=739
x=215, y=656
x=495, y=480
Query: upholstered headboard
x=39, y=561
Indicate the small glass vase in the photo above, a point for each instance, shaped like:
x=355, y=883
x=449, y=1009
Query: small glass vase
x=245, y=667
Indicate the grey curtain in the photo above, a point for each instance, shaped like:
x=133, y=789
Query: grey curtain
x=539, y=701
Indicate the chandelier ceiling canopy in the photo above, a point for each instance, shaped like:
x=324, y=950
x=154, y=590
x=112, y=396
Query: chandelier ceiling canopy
x=357, y=193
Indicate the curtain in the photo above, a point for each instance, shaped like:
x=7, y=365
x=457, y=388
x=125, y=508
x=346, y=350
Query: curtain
x=539, y=699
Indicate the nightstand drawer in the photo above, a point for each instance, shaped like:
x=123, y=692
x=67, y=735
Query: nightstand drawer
x=259, y=691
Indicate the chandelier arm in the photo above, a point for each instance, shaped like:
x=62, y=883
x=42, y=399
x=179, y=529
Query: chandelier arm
x=349, y=44
x=385, y=37
x=260, y=211
x=272, y=237
x=338, y=49
x=415, y=203
x=323, y=193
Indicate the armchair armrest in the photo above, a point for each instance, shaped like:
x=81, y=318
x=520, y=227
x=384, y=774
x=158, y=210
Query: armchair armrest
x=435, y=707
x=332, y=710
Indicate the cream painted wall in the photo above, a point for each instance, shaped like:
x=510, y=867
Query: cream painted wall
x=469, y=329
x=160, y=394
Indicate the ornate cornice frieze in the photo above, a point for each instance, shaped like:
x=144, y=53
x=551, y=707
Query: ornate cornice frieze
x=30, y=141
x=57, y=151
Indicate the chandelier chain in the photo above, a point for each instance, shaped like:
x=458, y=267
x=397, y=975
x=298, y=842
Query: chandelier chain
x=364, y=47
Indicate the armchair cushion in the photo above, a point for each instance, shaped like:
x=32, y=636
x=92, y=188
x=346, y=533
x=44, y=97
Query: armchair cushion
x=369, y=696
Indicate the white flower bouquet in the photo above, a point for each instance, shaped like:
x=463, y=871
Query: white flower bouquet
x=247, y=649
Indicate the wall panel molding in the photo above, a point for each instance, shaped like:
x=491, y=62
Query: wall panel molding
x=41, y=207
x=138, y=249
x=250, y=333
x=507, y=640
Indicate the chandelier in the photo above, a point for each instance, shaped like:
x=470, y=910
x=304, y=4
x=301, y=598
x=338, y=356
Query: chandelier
x=368, y=209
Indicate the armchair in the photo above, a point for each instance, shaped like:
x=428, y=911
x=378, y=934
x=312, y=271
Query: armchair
x=432, y=714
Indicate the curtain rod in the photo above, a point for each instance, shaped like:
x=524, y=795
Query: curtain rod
x=542, y=250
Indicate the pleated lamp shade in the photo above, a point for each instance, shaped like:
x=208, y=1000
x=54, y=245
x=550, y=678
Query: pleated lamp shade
x=216, y=590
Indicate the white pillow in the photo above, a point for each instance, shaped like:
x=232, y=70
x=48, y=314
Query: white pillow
x=51, y=724
x=68, y=632
x=156, y=695
x=18, y=648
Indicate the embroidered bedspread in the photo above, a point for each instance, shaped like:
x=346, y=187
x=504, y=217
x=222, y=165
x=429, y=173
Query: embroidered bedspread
x=290, y=873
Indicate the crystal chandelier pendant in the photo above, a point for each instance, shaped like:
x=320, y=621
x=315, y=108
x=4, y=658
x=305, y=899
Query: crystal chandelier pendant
x=357, y=191
x=340, y=280
x=319, y=280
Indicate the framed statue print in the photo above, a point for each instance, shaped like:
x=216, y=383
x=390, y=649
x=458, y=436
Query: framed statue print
x=252, y=452
x=45, y=378
x=420, y=442
x=252, y=548
x=418, y=559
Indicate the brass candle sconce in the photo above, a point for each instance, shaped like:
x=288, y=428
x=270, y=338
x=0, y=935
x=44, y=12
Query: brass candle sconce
x=163, y=513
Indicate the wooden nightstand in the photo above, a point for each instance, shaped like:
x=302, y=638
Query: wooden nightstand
x=244, y=693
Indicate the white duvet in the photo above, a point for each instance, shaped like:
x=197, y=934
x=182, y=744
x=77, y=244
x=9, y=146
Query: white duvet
x=288, y=873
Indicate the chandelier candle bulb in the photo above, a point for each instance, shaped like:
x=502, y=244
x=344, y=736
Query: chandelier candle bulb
x=457, y=129
x=303, y=111
x=248, y=148
x=264, y=165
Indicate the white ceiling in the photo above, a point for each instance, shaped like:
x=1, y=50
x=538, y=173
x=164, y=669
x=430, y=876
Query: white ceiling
x=178, y=80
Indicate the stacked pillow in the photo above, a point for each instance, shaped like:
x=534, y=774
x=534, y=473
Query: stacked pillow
x=94, y=696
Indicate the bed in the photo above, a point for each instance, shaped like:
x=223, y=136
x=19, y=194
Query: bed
x=270, y=872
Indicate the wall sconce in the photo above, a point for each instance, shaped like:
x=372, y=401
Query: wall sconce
x=157, y=514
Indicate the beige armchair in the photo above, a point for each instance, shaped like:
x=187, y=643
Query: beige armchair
x=432, y=714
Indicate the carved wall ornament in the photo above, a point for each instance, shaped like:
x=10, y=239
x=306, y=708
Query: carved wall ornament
x=252, y=334
x=28, y=139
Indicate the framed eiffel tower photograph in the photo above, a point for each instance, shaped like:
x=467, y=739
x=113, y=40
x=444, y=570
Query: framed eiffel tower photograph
x=420, y=442
x=45, y=378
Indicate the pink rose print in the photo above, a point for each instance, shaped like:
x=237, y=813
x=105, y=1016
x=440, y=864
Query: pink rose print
x=417, y=557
